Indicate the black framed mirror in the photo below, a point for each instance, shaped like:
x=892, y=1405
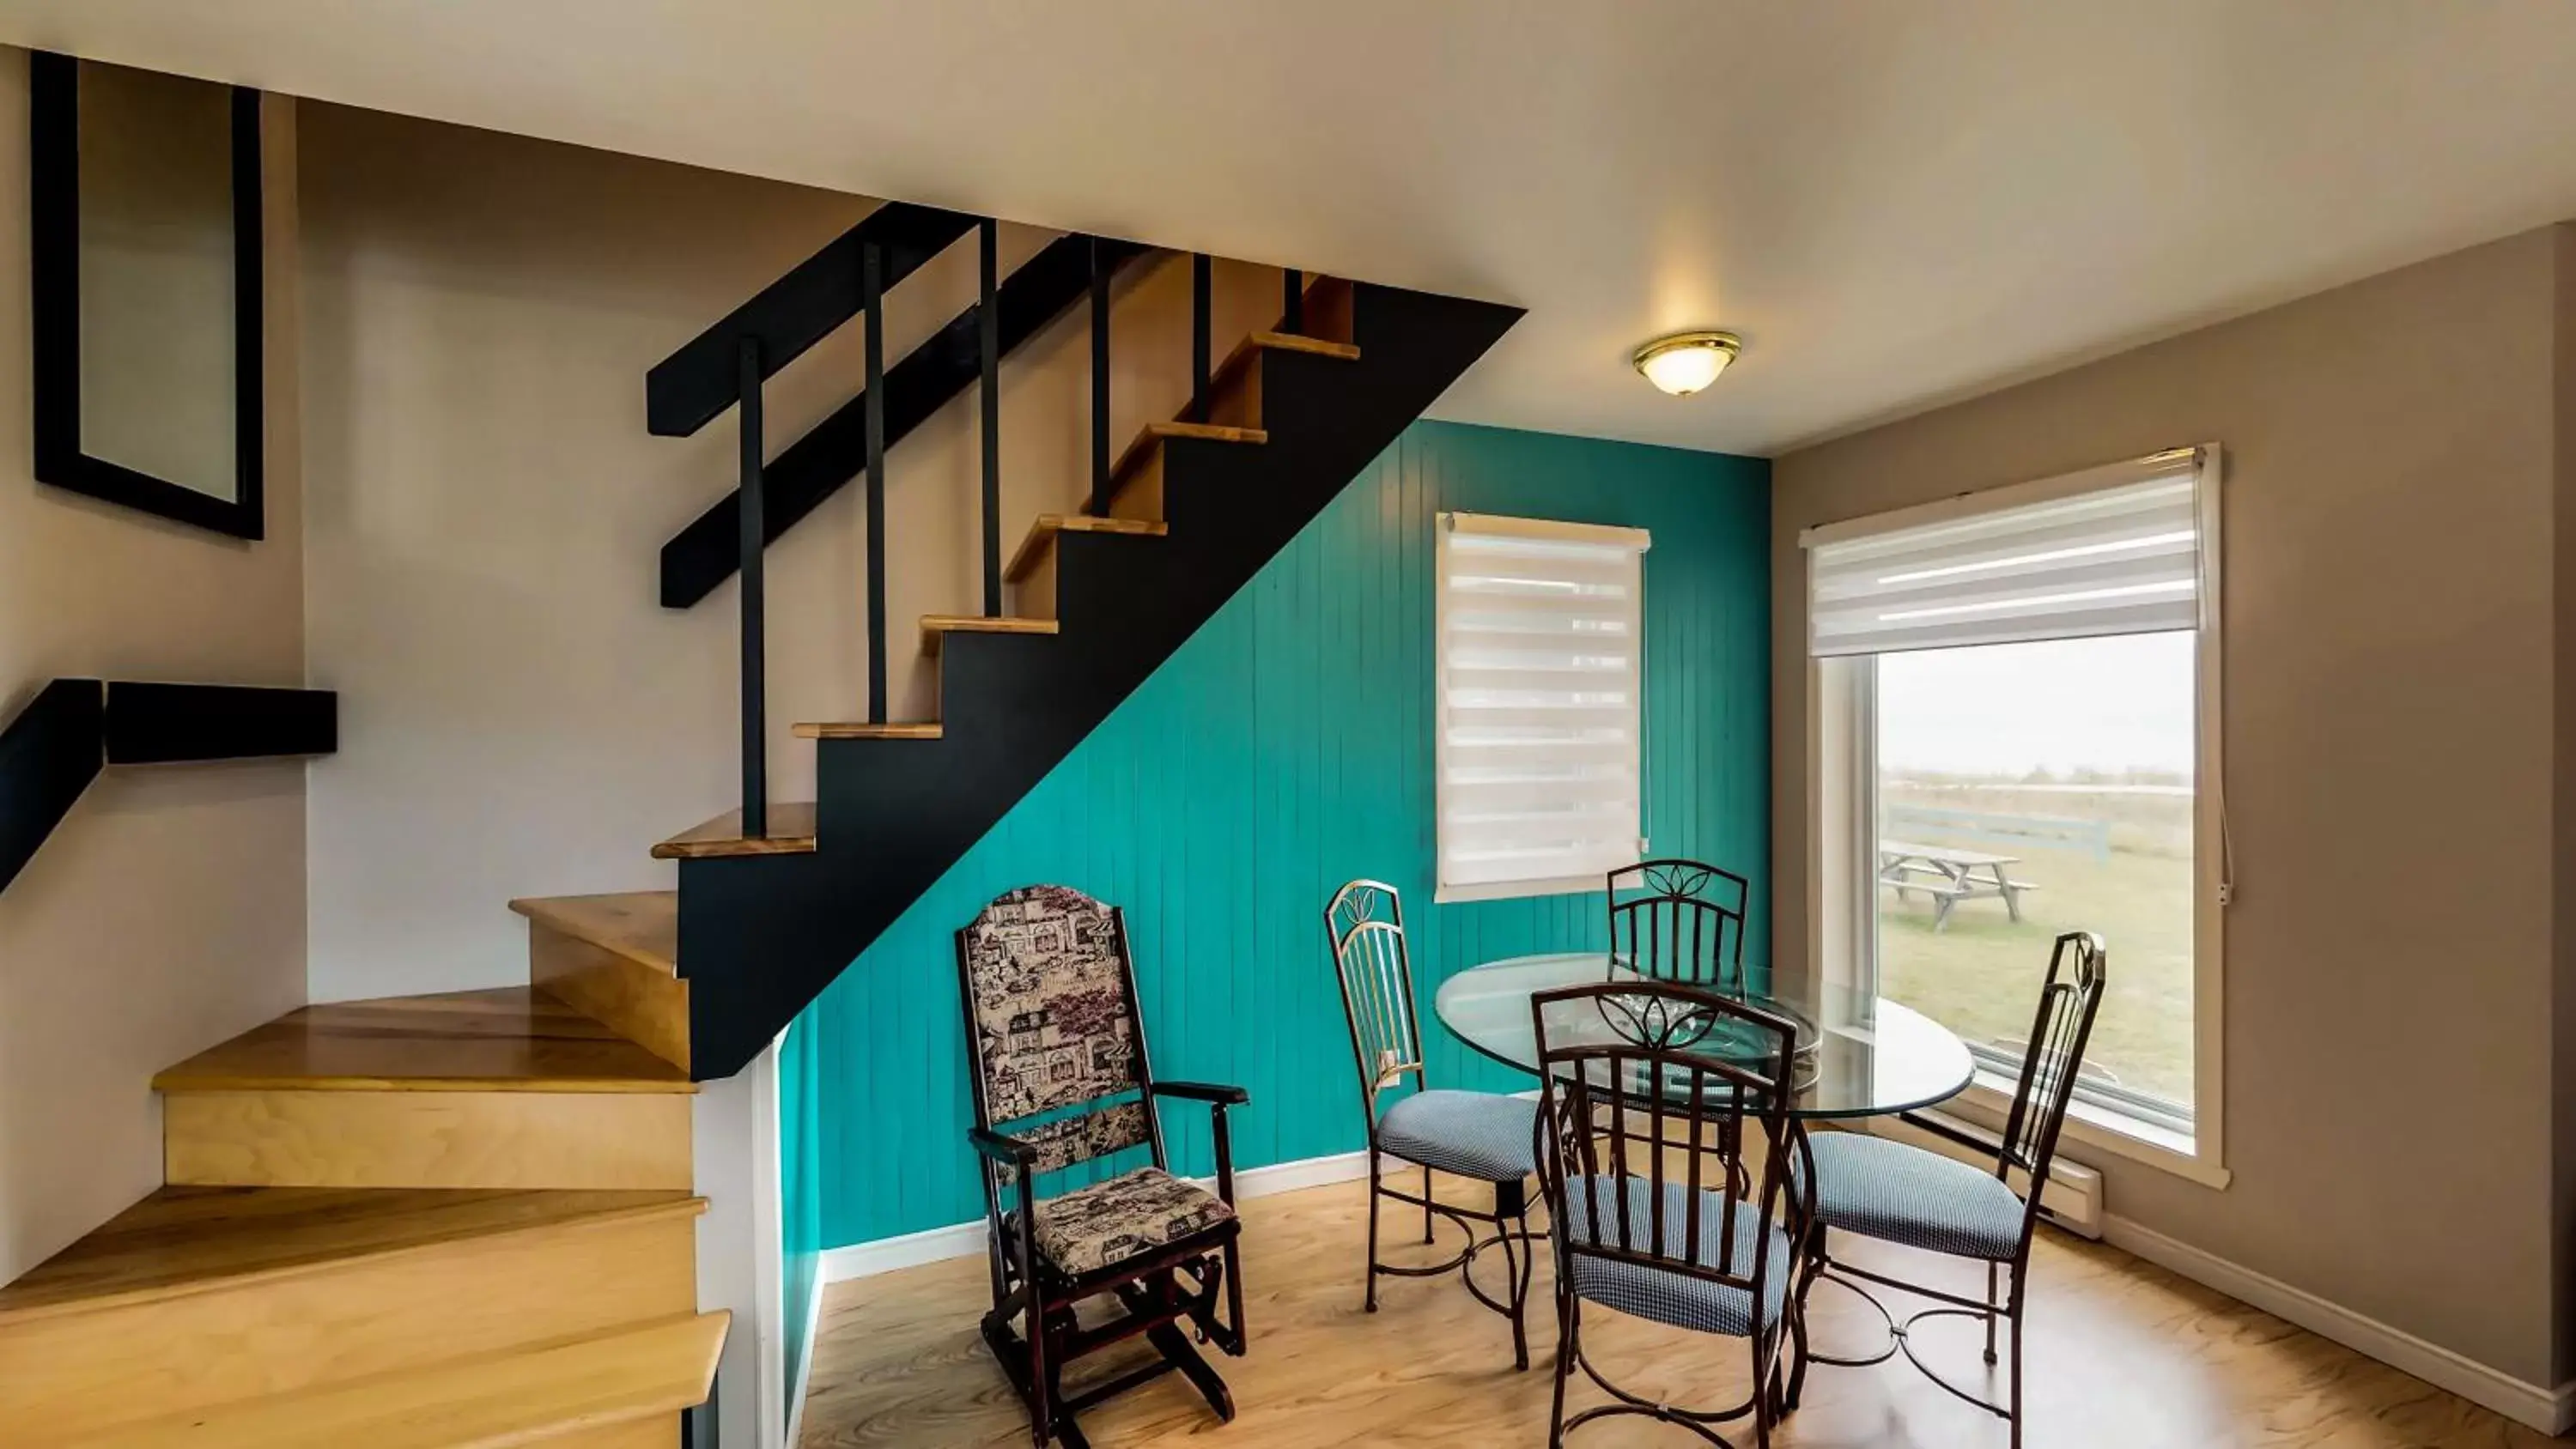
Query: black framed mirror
x=145, y=242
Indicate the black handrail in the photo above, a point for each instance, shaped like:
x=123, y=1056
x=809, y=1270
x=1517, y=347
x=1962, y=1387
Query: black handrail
x=57, y=745
x=688, y=389
x=817, y=465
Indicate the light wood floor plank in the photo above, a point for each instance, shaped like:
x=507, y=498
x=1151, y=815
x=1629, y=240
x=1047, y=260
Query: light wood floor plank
x=2123, y=1356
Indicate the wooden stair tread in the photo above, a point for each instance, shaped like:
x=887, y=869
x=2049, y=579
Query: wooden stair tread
x=1153, y=435
x=935, y=628
x=1290, y=342
x=509, y=1397
x=509, y=1039
x=186, y=1239
x=1042, y=533
x=928, y=729
x=642, y=926
x=791, y=832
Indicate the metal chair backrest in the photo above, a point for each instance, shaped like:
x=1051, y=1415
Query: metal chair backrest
x=1365, y=923
x=1051, y=1026
x=2068, y=1002
x=1680, y=920
x=1653, y=1103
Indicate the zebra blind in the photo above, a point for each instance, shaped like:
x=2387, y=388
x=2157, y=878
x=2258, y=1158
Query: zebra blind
x=2117, y=551
x=1540, y=704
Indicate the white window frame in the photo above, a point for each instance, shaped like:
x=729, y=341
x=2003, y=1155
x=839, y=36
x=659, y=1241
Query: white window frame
x=1636, y=539
x=1842, y=810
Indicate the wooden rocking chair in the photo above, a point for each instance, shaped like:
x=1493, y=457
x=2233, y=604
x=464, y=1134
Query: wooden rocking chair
x=1062, y=1077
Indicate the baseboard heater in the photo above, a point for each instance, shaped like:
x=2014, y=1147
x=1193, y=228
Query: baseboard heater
x=2072, y=1198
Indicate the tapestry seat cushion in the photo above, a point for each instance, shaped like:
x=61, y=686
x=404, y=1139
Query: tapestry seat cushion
x=1107, y=1223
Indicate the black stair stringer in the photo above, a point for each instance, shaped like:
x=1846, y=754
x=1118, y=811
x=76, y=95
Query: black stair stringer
x=762, y=936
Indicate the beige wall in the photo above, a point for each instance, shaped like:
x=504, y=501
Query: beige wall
x=2395, y=468
x=167, y=912
x=520, y=717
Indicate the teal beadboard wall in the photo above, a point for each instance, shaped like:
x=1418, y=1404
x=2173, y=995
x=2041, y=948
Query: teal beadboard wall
x=1284, y=749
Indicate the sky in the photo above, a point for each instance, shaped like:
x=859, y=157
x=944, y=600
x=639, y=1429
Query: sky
x=2118, y=703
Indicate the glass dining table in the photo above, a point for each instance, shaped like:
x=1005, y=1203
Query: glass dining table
x=1857, y=1054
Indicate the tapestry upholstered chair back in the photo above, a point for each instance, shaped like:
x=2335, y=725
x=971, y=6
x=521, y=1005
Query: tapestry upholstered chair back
x=1052, y=999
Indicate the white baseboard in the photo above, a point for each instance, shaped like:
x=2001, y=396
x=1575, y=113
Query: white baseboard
x=965, y=1240
x=2552, y=1411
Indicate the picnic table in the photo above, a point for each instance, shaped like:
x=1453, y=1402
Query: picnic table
x=1949, y=874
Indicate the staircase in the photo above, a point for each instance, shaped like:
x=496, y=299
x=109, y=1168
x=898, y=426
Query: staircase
x=1188, y=513
x=460, y=1221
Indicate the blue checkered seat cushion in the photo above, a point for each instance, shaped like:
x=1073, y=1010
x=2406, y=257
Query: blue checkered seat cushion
x=1472, y=1134
x=1667, y=1297
x=1883, y=1189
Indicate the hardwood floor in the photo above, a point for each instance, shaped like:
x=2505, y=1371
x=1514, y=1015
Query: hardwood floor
x=2122, y=1356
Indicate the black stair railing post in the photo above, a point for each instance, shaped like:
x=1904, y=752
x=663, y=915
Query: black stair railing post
x=1099, y=381
x=989, y=311
x=755, y=705
x=1292, y=285
x=872, y=301
x=1201, y=286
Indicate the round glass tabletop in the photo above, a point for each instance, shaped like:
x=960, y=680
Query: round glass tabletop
x=1857, y=1055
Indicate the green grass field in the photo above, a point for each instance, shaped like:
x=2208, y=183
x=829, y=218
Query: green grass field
x=1980, y=976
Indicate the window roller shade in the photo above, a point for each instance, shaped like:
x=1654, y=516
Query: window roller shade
x=1540, y=702
x=2123, y=558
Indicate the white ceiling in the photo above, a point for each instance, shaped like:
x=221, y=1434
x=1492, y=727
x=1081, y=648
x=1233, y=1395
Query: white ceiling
x=1895, y=203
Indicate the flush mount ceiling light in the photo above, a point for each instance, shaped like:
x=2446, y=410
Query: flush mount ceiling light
x=1685, y=362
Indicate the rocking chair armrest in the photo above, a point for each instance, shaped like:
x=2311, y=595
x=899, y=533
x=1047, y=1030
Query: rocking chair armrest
x=1002, y=1148
x=1213, y=1093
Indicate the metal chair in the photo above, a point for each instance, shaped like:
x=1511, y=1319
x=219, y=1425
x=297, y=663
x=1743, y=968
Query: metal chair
x=1681, y=1070
x=1478, y=1135
x=1680, y=920
x=1062, y=1077
x=1903, y=1194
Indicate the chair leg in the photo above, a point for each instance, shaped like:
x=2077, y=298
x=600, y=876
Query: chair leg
x=1513, y=1277
x=1371, y=1301
x=1042, y=1374
x=1990, y=1315
x=1565, y=1329
x=1242, y=1337
x=1426, y=1210
x=2019, y=1270
x=1520, y=1294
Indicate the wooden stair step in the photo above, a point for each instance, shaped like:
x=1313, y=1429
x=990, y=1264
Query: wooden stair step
x=927, y=729
x=1136, y=484
x=184, y=1240
x=642, y=926
x=935, y=628
x=1042, y=534
x=1252, y=346
x=1236, y=389
x=195, y=1302
x=791, y=832
x=509, y=1039
x=487, y=1401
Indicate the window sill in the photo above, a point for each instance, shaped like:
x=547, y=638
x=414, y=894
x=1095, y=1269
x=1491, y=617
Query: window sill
x=2100, y=1129
x=1512, y=890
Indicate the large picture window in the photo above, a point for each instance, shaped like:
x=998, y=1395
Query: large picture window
x=1541, y=704
x=2029, y=684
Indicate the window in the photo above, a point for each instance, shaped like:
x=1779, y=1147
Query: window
x=2027, y=687
x=1540, y=704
